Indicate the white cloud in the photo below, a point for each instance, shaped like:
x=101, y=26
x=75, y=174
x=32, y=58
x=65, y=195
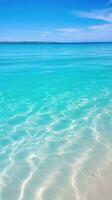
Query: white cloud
x=68, y=30
x=96, y=33
x=103, y=27
x=46, y=33
x=103, y=15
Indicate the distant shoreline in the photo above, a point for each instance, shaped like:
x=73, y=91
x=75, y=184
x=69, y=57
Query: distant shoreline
x=35, y=42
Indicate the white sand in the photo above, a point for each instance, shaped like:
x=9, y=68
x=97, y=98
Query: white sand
x=102, y=187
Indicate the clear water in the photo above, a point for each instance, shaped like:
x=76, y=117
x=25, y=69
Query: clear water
x=55, y=119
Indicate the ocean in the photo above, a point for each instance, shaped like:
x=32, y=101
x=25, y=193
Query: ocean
x=55, y=119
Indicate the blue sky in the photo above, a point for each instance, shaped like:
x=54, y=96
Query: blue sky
x=56, y=20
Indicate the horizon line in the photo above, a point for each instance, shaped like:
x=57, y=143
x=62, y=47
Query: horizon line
x=52, y=42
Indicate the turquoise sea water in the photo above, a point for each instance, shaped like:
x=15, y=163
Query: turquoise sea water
x=55, y=119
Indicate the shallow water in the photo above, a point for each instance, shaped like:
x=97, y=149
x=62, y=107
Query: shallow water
x=55, y=119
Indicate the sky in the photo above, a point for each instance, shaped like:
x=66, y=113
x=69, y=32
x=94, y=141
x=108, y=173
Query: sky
x=56, y=20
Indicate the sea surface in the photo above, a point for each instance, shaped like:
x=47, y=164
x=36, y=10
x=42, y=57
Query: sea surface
x=55, y=119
